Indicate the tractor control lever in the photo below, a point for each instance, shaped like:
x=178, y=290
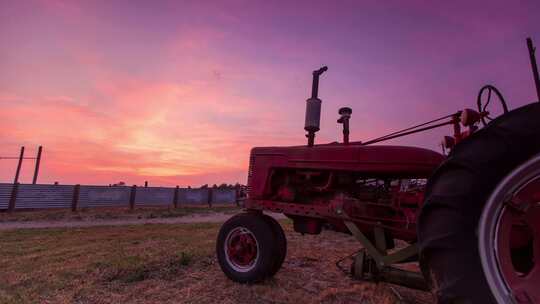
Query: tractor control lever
x=534, y=67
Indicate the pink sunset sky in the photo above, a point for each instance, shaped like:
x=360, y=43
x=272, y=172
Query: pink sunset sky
x=177, y=92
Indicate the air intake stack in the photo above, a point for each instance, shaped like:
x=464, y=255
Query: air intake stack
x=313, y=108
x=345, y=114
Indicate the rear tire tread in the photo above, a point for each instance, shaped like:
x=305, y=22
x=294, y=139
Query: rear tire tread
x=455, y=197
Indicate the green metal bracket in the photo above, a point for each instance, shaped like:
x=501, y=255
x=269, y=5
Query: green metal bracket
x=370, y=247
x=378, y=251
x=376, y=255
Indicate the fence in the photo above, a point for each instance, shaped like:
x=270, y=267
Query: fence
x=31, y=196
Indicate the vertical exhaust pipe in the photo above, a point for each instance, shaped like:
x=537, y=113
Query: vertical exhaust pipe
x=313, y=108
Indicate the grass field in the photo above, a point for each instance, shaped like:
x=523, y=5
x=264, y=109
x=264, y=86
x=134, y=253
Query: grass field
x=171, y=264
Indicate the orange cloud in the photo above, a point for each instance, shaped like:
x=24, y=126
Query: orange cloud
x=167, y=132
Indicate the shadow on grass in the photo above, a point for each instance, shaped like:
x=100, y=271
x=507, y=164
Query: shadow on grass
x=131, y=269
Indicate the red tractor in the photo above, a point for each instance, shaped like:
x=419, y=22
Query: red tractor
x=471, y=218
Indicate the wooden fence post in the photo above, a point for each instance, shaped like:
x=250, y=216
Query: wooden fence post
x=75, y=198
x=132, y=197
x=13, y=198
x=210, y=195
x=237, y=195
x=175, y=198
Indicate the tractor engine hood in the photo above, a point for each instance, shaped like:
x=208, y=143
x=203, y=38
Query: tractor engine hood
x=395, y=161
x=369, y=159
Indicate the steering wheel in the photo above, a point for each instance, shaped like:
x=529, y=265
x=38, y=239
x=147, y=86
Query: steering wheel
x=482, y=108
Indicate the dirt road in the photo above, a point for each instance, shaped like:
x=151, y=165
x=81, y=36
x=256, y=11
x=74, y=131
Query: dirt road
x=193, y=218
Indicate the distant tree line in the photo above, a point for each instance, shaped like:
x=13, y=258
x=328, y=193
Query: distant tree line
x=223, y=186
x=205, y=186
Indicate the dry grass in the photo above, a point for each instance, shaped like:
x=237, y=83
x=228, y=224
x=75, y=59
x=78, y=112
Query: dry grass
x=112, y=213
x=171, y=264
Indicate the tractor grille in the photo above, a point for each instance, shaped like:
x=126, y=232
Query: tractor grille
x=250, y=174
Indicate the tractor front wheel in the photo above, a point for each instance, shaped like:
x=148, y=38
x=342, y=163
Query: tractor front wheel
x=246, y=248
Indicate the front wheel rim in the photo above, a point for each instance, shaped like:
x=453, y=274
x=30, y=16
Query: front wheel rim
x=241, y=249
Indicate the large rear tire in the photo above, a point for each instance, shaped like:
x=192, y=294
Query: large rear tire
x=455, y=197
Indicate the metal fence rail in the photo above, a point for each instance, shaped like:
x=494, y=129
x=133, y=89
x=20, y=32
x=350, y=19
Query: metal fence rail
x=40, y=196
x=223, y=196
x=154, y=196
x=103, y=196
x=43, y=196
x=193, y=196
x=5, y=195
